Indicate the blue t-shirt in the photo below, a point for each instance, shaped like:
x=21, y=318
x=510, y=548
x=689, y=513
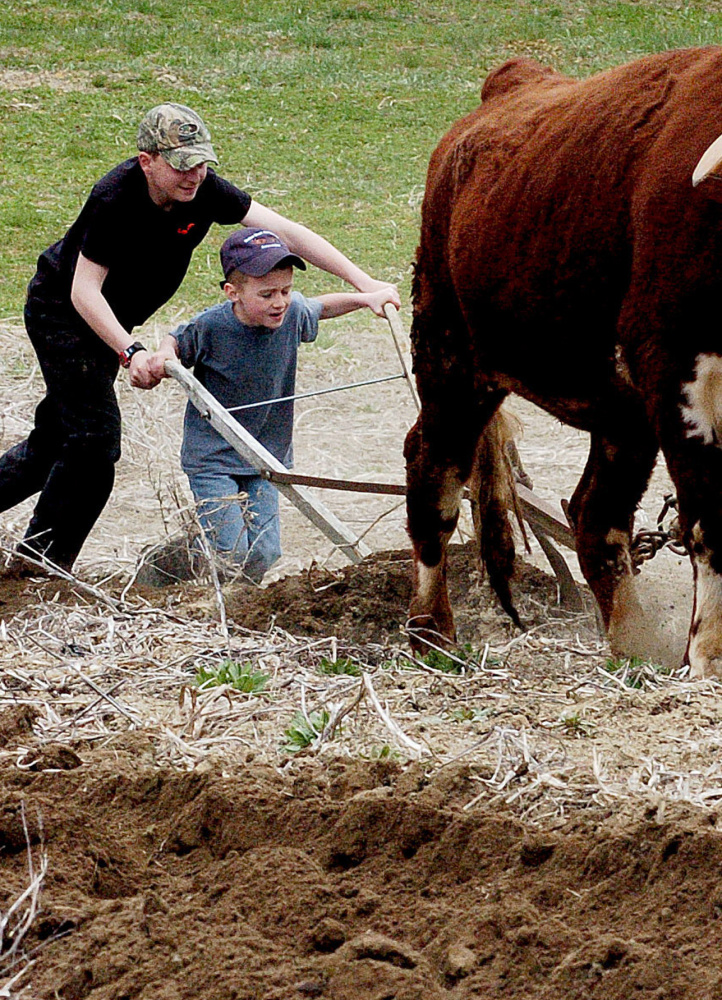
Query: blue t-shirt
x=243, y=364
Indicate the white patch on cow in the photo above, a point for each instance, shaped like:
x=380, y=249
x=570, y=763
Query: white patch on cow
x=620, y=539
x=428, y=582
x=622, y=368
x=632, y=630
x=703, y=409
x=626, y=618
x=628, y=628
x=617, y=537
x=705, y=647
x=709, y=594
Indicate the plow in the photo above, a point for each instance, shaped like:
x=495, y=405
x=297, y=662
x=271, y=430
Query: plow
x=547, y=522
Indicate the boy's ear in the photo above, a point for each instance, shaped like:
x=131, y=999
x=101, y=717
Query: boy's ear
x=231, y=292
x=145, y=160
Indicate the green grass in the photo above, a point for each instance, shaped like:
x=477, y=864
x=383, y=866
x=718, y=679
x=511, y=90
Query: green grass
x=469, y=713
x=440, y=661
x=326, y=111
x=633, y=671
x=464, y=659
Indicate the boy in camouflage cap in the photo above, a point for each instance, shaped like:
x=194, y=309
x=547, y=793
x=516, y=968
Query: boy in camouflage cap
x=124, y=257
x=178, y=134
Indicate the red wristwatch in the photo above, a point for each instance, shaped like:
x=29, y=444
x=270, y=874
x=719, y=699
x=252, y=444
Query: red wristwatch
x=125, y=356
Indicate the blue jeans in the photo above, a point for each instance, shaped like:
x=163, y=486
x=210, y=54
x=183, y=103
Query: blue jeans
x=248, y=532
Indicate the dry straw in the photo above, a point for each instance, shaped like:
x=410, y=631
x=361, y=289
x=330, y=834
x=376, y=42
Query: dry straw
x=533, y=717
x=534, y=720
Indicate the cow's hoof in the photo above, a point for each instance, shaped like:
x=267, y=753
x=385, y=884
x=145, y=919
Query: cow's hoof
x=424, y=635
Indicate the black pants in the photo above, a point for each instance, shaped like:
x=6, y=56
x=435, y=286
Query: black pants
x=69, y=457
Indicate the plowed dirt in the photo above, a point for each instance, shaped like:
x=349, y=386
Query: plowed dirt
x=189, y=858
x=358, y=882
x=341, y=878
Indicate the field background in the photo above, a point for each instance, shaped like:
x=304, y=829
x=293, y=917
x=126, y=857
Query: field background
x=326, y=111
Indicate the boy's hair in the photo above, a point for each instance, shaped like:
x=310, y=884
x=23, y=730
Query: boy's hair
x=238, y=279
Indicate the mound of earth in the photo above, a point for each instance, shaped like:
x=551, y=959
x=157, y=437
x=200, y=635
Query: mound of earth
x=347, y=881
x=369, y=604
x=361, y=604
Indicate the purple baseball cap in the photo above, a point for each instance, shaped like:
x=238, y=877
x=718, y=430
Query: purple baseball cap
x=256, y=252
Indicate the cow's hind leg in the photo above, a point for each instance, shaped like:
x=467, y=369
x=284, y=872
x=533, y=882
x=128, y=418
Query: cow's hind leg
x=602, y=512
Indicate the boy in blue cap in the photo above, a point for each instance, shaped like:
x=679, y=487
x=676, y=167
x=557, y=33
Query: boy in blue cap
x=245, y=351
x=124, y=257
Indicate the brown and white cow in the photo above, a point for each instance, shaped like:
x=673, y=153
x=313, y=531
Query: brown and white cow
x=567, y=256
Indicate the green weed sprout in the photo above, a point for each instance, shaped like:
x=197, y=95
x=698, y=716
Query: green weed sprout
x=384, y=752
x=467, y=713
x=467, y=659
x=575, y=724
x=344, y=665
x=633, y=671
x=240, y=676
x=440, y=661
x=303, y=731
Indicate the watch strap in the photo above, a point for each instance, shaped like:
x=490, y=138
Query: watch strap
x=125, y=356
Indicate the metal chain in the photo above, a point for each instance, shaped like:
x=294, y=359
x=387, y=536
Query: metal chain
x=647, y=543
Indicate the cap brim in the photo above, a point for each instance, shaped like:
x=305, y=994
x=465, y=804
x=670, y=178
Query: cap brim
x=187, y=157
x=291, y=259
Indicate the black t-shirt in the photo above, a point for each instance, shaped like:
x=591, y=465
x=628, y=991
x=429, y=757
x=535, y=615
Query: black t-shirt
x=145, y=248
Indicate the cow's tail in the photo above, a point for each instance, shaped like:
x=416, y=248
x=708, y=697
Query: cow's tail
x=492, y=486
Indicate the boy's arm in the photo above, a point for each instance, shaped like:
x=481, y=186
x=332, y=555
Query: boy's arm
x=167, y=351
x=318, y=251
x=340, y=303
x=86, y=295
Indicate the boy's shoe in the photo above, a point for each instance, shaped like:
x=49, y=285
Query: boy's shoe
x=173, y=561
x=18, y=568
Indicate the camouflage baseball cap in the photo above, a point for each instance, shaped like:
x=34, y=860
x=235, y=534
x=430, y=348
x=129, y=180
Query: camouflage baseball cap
x=178, y=134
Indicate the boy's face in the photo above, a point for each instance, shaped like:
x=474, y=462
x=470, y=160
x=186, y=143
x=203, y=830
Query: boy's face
x=166, y=184
x=262, y=301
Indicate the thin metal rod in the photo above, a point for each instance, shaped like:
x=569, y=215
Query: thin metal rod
x=323, y=482
x=318, y=392
x=392, y=316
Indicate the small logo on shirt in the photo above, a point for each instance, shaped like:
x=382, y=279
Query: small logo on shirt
x=184, y=232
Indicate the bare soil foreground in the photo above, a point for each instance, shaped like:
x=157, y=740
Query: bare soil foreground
x=539, y=824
